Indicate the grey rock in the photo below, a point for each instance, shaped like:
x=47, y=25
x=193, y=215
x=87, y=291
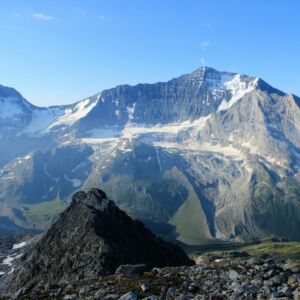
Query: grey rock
x=71, y=297
x=233, y=275
x=145, y=287
x=272, y=273
x=276, y=280
x=293, y=279
x=193, y=287
x=129, y=296
x=293, y=266
x=99, y=294
x=256, y=281
x=284, y=291
x=131, y=270
x=68, y=288
x=171, y=290
x=151, y=297
x=84, y=290
x=18, y=293
x=296, y=294
x=111, y=297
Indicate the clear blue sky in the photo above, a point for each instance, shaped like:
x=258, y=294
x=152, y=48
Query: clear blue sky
x=61, y=51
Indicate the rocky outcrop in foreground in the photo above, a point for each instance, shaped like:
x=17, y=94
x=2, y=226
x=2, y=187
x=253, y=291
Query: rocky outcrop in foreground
x=92, y=237
x=222, y=278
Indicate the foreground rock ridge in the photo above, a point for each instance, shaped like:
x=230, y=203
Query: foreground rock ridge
x=229, y=276
x=208, y=156
x=92, y=237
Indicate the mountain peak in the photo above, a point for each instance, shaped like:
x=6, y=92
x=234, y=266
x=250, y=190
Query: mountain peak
x=208, y=71
x=8, y=92
x=95, y=198
x=218, y=79
x=11, y=95
x=203, y=72
x=92, y=237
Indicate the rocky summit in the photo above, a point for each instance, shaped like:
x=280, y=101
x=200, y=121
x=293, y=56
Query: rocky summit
x=92, y=237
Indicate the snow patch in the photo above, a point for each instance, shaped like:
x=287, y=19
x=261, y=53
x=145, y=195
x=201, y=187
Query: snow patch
x=104, y=133
x=19, y=245
x=130, y=111
x=95, y=141
x=9, y=259
x=72, y=115
x=42, y=118
x=174, y=128
x=10, y=107
x=75, y=182
x=238, y=89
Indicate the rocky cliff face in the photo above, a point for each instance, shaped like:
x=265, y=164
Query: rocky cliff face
x=188, y=97
x=93, y=237
x=207, y=156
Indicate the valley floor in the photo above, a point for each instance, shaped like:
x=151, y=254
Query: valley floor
x=276, y=249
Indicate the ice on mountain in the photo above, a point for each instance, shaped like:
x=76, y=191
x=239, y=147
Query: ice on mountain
x=75, y=182
x=238, y=89
x=19, y=245
x=71, y=115
x=104, y=133
x=10, y=107
x=9, y=259
x=42, y=118
x=130, y=111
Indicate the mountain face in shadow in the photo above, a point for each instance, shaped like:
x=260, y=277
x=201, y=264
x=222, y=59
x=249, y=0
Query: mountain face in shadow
x=92, y=237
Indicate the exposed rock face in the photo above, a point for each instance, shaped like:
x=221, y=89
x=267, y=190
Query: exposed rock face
x=93, y=237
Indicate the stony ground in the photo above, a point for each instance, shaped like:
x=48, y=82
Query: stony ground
x=212, y=278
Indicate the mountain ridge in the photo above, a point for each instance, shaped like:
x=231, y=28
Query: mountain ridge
x=91, y=237
x=218, y=146
x=57, y=116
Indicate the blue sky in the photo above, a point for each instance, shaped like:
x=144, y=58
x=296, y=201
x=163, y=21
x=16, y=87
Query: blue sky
x=61, y=51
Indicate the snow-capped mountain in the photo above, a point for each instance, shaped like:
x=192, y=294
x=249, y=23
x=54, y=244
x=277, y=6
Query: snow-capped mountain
x=185, y=98
x=15, y=111
x=206, y=156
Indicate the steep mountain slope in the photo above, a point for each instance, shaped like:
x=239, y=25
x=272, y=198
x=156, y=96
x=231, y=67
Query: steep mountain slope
x=92, y=237
x=15, y=111
x=25, y=127
x=206, y=156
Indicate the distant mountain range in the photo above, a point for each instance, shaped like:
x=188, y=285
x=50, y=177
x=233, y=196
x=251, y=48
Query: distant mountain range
x=208, y=156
